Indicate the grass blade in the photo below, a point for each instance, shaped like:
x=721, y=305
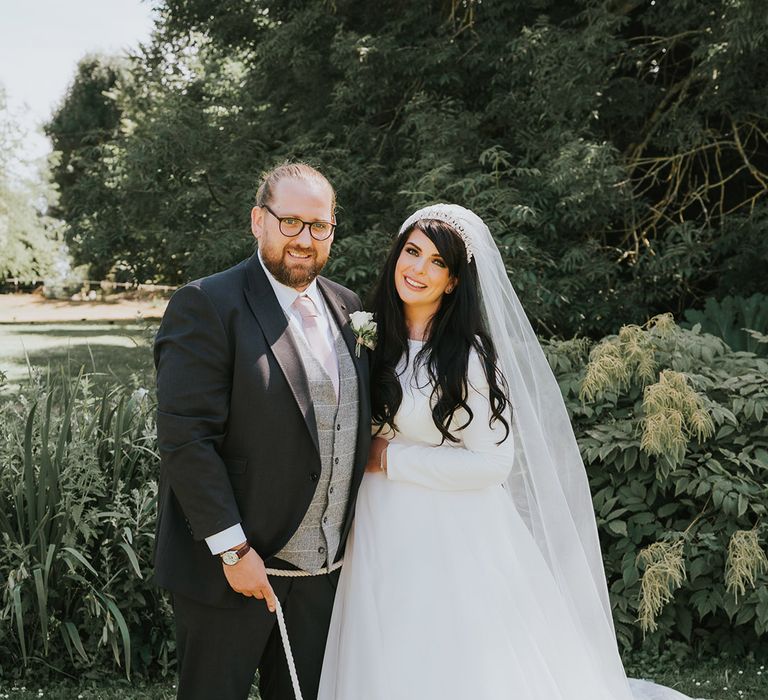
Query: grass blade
x=19, y=614
x=131, y=557
x=124, y=633
x=74, y=636
x=80, y=558
x=42, y=605
x=29, y=475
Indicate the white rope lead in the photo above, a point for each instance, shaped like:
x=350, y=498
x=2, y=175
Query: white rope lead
x=294, y=573
x=287, y=648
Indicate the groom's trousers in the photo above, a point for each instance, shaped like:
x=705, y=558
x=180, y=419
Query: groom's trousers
x=219, y=649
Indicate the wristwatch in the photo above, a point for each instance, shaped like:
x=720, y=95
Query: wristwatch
x=232, y=556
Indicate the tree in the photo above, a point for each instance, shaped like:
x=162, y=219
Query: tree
x=29, y=239
x=82, y=132
x=617, y=149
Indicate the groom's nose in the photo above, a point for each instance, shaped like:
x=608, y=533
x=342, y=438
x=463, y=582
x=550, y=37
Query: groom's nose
x=304, y=239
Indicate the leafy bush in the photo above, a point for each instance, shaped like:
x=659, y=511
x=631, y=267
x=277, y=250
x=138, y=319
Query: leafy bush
x=671, y=425
x=732, y=318
x=670, y=421
x=77, y=519
x=630, y=182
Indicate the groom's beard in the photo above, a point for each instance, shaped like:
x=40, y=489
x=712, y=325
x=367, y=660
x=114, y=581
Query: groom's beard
x=291, y=272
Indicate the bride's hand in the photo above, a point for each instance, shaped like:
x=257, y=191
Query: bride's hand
x=375, y=462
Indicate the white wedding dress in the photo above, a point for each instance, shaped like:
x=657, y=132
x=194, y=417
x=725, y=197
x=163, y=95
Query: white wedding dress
x=444, y=594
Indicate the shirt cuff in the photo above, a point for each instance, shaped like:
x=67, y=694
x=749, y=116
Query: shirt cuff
x=226, y=539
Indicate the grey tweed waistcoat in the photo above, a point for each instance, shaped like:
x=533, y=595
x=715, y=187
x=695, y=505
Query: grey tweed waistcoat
x=316, y=540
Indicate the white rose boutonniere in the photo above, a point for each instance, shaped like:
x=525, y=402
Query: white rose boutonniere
x=364, y=328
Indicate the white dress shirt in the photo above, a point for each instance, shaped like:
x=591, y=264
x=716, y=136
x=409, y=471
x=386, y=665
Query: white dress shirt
x=233, y=536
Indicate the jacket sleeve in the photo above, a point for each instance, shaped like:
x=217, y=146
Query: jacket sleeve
x=477, y=462
x=194, y=366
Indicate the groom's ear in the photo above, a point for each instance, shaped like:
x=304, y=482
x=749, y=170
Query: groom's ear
x=257, y=221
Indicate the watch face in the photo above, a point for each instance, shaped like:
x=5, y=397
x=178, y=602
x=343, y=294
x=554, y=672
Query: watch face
x=230, y=558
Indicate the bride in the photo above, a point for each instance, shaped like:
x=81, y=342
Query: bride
x=474, y=569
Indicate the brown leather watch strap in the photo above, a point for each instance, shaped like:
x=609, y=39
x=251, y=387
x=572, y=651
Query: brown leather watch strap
x=241, y=552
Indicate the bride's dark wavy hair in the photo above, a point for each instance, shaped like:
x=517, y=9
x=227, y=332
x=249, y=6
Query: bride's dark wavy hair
x=455, y=329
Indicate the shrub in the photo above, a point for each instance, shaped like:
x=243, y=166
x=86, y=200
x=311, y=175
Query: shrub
x=732, y=318
x=77, y=518
x=671, y=425
x=670, y=422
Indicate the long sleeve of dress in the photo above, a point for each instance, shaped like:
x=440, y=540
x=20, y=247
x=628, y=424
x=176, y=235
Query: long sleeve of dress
x=476, y=462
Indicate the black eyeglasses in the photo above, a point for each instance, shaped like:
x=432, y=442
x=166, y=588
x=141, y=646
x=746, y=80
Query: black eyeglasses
x=290, y=226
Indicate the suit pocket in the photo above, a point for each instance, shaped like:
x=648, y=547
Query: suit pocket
x=235, y=465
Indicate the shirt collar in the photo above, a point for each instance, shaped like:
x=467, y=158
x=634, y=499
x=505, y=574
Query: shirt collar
x=287, y=295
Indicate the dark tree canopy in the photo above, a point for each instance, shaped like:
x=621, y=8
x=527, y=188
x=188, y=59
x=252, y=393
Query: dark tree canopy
x=618, y=149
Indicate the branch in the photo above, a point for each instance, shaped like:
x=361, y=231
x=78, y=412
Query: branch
x=213, y=194
x=740, y=148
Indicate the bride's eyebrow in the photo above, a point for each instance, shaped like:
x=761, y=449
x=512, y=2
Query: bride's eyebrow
x=434, y=255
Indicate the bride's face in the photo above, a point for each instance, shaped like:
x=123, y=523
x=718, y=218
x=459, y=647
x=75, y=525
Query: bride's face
x=421, y=275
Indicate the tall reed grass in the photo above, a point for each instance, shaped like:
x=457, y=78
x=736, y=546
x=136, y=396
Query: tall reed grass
x=77, y=514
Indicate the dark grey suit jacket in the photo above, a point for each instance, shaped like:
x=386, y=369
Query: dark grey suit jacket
x=236, y=427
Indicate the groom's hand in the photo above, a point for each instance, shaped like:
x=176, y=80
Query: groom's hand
x=377, y=458
x=249, y=577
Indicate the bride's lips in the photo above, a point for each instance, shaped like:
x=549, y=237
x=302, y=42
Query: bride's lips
x=413, y=284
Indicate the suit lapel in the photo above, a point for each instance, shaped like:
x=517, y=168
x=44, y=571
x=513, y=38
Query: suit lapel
x=341, y=315
x=274, y=324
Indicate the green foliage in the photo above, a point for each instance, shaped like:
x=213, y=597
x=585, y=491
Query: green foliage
x=732, y=318
x=29, y=238
x=617, y=150
x=77, y=518
x=81, y=130
x=684, y=513
x=682, y=531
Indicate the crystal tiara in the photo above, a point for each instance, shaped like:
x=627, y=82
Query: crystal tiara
x=438, y=212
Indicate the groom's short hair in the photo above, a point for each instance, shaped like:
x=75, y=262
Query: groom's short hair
x=293, y=170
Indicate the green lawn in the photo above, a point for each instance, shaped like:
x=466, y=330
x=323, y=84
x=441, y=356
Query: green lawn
x=111, y=350
x=719, y=679
x=94, y=690
x=715, y=680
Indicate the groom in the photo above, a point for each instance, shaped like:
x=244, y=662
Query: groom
x=263, y=430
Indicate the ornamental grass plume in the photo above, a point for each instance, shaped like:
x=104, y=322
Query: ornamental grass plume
x=674, y=413
x=607, y=370
x=664, y=572
x=627, y=357
x=614, y=363
x=663, y=325
x=746, y=561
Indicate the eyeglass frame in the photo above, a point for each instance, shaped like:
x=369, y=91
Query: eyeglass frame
x=307, y=224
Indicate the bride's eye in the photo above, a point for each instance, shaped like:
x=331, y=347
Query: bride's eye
x=411, y=251
x=439, y=262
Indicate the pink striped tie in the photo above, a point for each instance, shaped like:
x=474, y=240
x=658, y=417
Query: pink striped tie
x=316, y=339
